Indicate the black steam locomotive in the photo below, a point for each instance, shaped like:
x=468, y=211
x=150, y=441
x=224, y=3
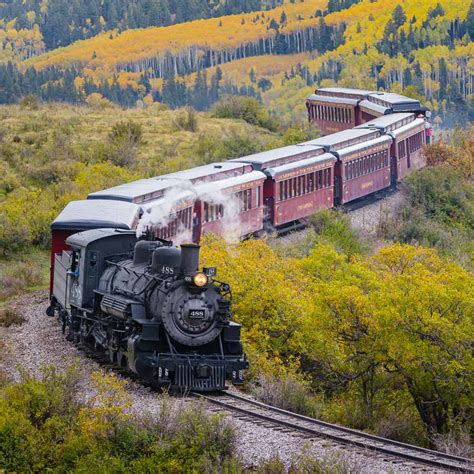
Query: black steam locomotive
x=146, y=307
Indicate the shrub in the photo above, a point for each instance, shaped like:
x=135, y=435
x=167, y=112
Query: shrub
x=457, y=153
x=125, y=138
x=29, y=102
x=44, y=426
x=439, y=213
x=211, y=148
x=10, y=316
x=442, y=194
x=299, y=133
x=13, y=237
x=334, y=227
x=456, y=442
x=128, y=131
x=187, y=120
x=245, y=108
x=288, y=393
x=98, y=101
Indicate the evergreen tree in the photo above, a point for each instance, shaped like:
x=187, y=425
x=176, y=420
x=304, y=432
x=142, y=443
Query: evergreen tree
x=469, y=23
x=398, y=16
x=273, y=25
x=200, y=97
x=281, y=46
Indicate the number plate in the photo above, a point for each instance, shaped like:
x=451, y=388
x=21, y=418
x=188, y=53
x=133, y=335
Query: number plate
x=197, y=314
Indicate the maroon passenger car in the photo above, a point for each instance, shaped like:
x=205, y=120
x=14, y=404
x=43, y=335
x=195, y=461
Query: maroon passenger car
x=233, y=206
x=363, y=169
x=292, y=190
x=335, y=108
x=409, y=140
x=297, y=190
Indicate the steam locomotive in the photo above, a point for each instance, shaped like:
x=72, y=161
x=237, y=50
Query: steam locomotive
x=147, y=307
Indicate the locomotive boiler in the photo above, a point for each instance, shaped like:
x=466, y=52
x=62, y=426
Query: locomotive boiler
x=147, y=307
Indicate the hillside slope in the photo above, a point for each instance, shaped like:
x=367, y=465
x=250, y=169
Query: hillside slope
x=34, y=26
x=423, y=48
x=50, y=155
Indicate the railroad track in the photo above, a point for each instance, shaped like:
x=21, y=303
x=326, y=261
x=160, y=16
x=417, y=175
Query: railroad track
x=397, y=452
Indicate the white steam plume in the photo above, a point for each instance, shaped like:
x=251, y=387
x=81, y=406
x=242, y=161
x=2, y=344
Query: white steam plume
x=163, y=211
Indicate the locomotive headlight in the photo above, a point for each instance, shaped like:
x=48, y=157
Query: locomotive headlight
x=200, y=279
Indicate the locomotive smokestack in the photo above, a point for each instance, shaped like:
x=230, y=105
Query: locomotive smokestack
x=189, y=258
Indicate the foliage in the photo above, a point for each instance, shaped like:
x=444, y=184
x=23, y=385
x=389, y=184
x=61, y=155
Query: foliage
x=125, y=138
x=187, y=120
x=443, y=196
x=299, y=133
x=45, y=426
x=378, y=337
x=457, y=153
x=10, y=316
x=245, y=108
x=59, y=23
x=57, y=153
x=418, y=48
x=439, y=213
x=126, y=131
x=334, y=227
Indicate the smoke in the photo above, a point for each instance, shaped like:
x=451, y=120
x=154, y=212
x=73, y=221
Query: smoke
x=163, y=211
x=229, y=226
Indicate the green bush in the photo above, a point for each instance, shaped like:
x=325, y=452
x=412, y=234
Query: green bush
x=44, y=426
x=125, y=138
x=439, y=213
x=187, y=120
x=299, y=133
x=442, y=194
x=211, y=148
x=245, y=108
x=334, y=227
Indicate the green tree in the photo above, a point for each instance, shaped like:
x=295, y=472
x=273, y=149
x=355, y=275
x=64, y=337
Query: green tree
x=470, y=21
x=399, y=17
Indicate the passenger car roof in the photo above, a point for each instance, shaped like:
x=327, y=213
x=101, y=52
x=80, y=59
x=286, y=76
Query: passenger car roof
x=97, y=213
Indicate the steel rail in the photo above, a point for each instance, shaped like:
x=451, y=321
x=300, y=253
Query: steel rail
x=341, y=434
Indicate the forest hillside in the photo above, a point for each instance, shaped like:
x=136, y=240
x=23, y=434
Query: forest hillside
x=278, y=52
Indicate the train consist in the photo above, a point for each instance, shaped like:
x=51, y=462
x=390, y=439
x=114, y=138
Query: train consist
x=108, y=284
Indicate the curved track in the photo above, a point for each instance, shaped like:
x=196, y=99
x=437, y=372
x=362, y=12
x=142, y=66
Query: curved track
x=399, y=453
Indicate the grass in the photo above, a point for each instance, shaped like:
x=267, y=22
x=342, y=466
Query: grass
x=165, y=147
x=55, y=153
x=24, y=272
